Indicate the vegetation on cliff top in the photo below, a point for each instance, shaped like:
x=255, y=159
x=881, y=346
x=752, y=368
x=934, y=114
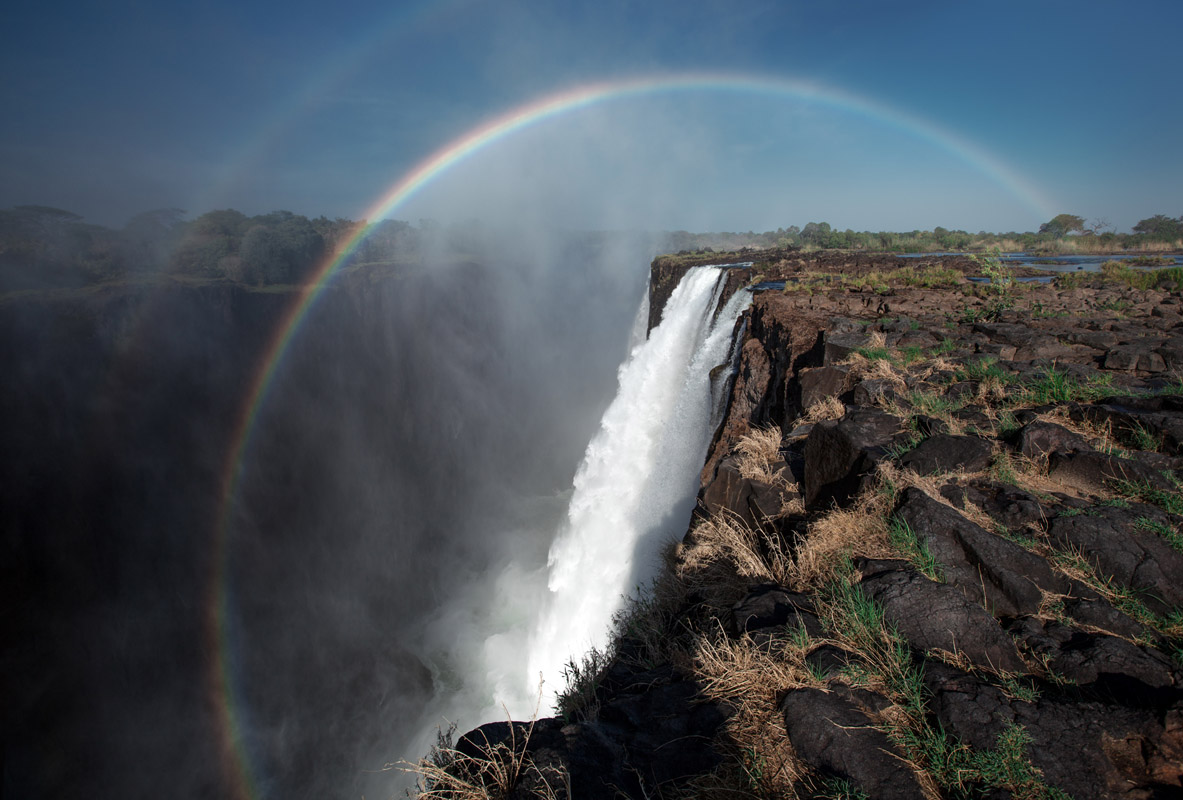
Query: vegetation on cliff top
x=45, y=247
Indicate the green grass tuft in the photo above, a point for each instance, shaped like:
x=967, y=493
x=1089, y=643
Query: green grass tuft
x=904, y=539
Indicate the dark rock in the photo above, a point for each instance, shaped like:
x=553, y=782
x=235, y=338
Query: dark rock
x=968, y=707
x=665, y=732
x=832, y=735
x=839, y=346
x=766, y=499
x=864, y=699
x=829, y=659
x=1086, y=607
x=657, y=735
x=1095, y=658
x=962, y=392
x=1099, y=340
x=1159, y=417
x=1007, y=333
x=1044, y=347
x=819, y=383
x=988, y=569
x=729, y=491
x=771, y=606
x=1038, y=439
x=935, y=616
x=1134, y=357
x=1110, y=539
x=930, y=426
x=947, y=453
x=974, y=418
x=1009, y=505
x=1094, y=472
x=753, y=501
x=839, y=454
x=1084, y=748
x=874, y=391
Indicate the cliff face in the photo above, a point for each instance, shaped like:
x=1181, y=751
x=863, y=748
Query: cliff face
x=937, y=553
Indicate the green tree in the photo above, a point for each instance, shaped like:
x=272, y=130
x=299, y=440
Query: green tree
x=1160, y=226
x=280, y=247
x=210, y=243
x=1063, y=224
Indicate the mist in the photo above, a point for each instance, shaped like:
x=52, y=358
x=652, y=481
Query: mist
x=399, y=492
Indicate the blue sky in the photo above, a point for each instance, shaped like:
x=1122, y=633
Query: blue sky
x=118, y=107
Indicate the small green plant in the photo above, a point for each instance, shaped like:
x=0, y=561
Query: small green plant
x=839, y=789
x=1054, y=386
x=1000, y=291
x=1039, y=311
x=578, y=702
x=895, y=451
x=1024, y=690
x=1170, y=501
x=1002, y=469
x=1006, y=423
x=1162, y=529
x=1116, y=305
x=982, y=369
x=948, y=345
x=876, y=354
x=969, y=773
x=904, y=539
x=933, y=404
x=1140, y=438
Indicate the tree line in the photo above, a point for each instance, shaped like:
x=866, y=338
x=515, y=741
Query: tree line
x=1063, y=233
x=43, y=246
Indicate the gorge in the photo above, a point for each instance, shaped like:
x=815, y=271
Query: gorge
x=445, y=447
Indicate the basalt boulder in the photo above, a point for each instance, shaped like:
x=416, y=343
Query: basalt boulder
x=833, y=735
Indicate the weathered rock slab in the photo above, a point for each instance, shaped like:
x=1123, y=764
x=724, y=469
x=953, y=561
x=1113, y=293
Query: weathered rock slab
x=834, y=736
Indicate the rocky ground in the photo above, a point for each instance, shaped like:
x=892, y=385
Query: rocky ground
x=938, y=553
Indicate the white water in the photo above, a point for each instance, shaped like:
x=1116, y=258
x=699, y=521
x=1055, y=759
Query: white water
x=636, y=485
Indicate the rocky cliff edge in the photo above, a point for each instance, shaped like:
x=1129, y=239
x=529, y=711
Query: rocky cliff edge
x=938, y=553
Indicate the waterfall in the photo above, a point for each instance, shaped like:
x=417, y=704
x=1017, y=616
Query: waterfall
x=637, y=482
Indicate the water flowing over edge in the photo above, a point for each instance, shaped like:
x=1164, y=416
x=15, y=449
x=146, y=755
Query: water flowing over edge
x=637, y=482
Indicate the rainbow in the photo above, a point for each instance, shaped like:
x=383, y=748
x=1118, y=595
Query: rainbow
x=224, y=697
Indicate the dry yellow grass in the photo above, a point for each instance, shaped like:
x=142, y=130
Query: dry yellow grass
x=882, y=369
x=498, y=770
x=830, y=408
x=759, y=760
x=722, y=557
x=757, y=454
x=860, y=529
